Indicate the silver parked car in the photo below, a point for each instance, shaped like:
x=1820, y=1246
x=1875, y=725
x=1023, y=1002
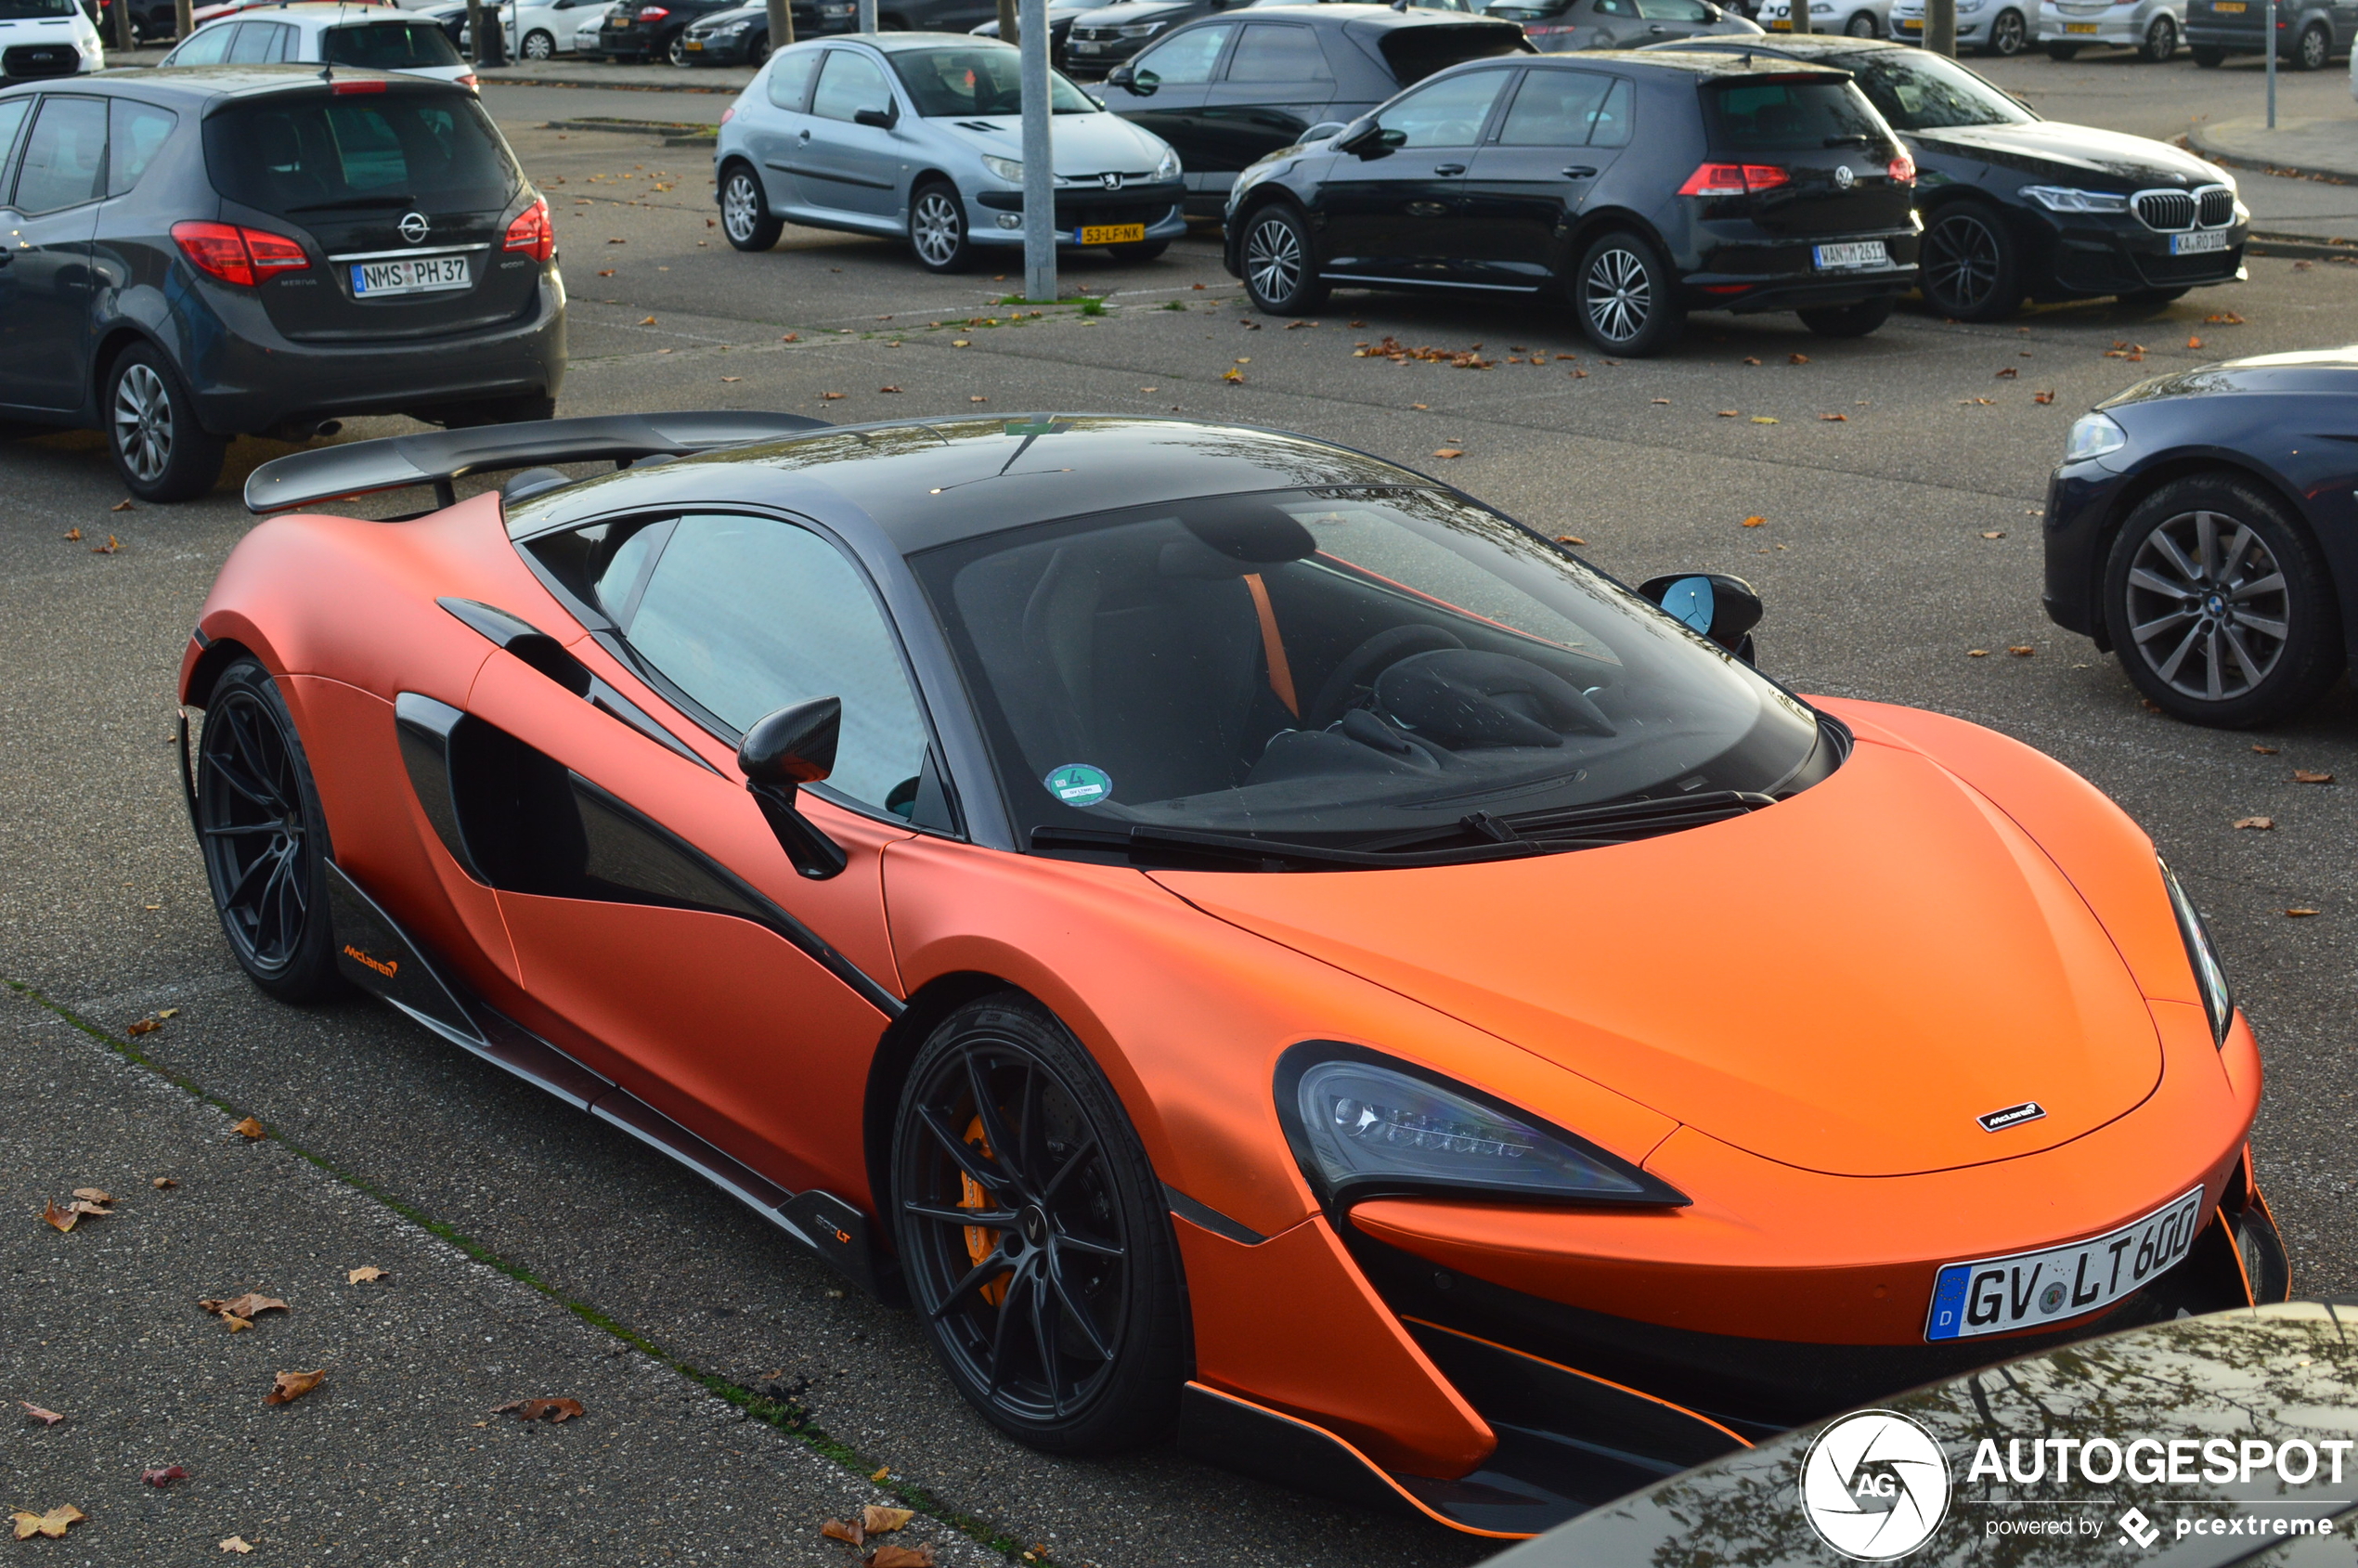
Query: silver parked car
x=2151, y=27
x=2005, y=28
x=921, y=134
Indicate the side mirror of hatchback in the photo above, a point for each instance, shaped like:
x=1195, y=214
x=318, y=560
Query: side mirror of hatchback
x=1322, y=130
x=1362, y=136
x=1124, y=76
x=789, y=748
x=1723, y=608
x=882, y=119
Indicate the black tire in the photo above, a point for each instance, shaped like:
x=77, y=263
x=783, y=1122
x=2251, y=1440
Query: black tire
x=2178, y=562
x=1144, y=250
x=1280, y=261
x=2208, y=57
x=2009, y=35
x=938, y=236
x=1972, y=267
x=1847, y=320
x=1861, y=25
x=2314, y=50
x=746, y=218
x=1625, y=297
x=758, y=50
x=676, y=52
x=159, y=450
x=1015, y=1171
x=2161, y=40
x=2059, y=50
x=539, y=45
x=264, y=838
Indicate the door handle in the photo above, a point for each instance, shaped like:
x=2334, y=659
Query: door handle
x=1657, y=30
x=1448, y=168
x=803, y=135
x=1580, y=172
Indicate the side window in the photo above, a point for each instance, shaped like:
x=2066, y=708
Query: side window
x=1279, y=54
x=12, y=113
x=256, y=43
x=1448, y=114
x=1554, y=109
x=205, y=46
x=790, y=79
x=65, y=162
x=1184, y=60
x=1672, y=10
x=139, y=132
x=746, y=615
x=848, y=83
x=1612, y=120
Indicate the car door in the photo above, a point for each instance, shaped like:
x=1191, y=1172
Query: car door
x=847, y=166
x=1277, y=85
x=650, y=904
x=1611, y=24
x=1394, y=209
x=1561, y=132
x=778, y=129
x=1165, y=92
x=1659, y=19
x=47, y=225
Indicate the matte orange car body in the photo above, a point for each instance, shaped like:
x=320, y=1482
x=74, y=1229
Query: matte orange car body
x=1950, y=924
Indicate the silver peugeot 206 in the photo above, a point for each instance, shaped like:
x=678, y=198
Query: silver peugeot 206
x=921, y=134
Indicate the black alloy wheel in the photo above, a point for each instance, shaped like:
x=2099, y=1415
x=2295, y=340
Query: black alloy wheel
x=264, y=837
x=2161, y=40
x=1623, y=295
x=1281, y=262
x=2009, y=35
x=159, y=450
x=1849, y=321
x=745, y=217
x=1034, y=1235
x=2314, y=49
x=2219, y=605
x=1971, y=270
x=757, y=49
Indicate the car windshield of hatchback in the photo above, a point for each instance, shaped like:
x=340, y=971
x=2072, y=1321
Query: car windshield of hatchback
x=389, y=46
x=1917, y=91
x=1348, y=668
x=953, y=83
x=35, y=11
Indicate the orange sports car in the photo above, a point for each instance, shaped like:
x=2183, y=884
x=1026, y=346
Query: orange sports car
x=1240, y=936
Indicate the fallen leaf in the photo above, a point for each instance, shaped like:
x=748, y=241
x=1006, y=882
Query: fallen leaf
x=978, y=399
x=1762, y=419
x=2302, y=913
x=1355, y=323
x=163, y=1183
x=832, y=397
x=168, y=1013
x=120, y=505
x=733, y=378
x=47, y=1418
x=1570, y=539
x=110, y=548
x=2022, y=653
x=141, y=1026
x=902, y=1557
x=1665, y=402
x=1730, y=413
x=236, y=1324
x=791, y=337
x=884, y=1470
x=1835, y=418
x=1977, y=402
x=1425, y=406
x=1796, y=359
x=1197, y=286
x=1232, y=375
x=73, y=536
x=94, y=1193
x=555, y=1410
x=2261, y=824
x=884, y=1520
x=2266, y=750
x=1755, y=521
x=1450, y=452
x=2008, y=374
x=1580, y=375
x=2042, y=397
x=959, y=342
x=237, y=1544
x=251, y=1129
x=1994, y=534
x=844, y=1530
x=892, y=389
x=1246, y=360
x=165, y=1476
x=1292, y=325
x=1750, y=360
x=64, y=1218
x=2224, y=319
x=648, y=322
x=618, y=241
x=244, y=1308
x=84, y=1206
x=1976, y=653
x=2193, y=343
x=1147, y=389
x=2303, y=775
x=54, y=1524
x=2300, y=267
x=293, y=1385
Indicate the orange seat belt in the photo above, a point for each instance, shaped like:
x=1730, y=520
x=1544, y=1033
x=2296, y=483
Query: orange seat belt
x=1272, y=647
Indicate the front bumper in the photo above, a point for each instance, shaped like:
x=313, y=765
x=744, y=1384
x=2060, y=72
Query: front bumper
x=2128, y=32
x=2236, y=38
x=2082, y=500
x=2114, y=253
x=1158, y=207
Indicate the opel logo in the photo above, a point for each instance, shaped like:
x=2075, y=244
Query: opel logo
x=1111, y=182
x=1843, y=178
x=413, y=225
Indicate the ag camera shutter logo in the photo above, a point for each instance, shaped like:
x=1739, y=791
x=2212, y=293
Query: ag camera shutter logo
x=1874, y=1486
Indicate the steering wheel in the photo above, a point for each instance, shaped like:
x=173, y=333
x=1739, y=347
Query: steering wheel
x=1361, y=665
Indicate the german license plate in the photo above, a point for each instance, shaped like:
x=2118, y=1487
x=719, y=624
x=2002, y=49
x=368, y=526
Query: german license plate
x=412, y=275
x=2028, y=1290
x=1109, y=234
x=2079, y=27
x=1083, y=46
x=2198, y=242
x=1850, y=253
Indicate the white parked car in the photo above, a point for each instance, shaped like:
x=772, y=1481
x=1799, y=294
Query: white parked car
x=585, y=34
x=1990, y=27
x=1860, y=19
x=47, y=38
x=540, y=29
x=364, y=37
x=2151, y=27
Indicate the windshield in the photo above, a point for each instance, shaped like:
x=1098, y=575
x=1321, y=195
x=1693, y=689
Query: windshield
x=389, y=46
x=1336, y=668
x=290, y=155
x=949, y=84
x=1921, y=92
x=27, y=10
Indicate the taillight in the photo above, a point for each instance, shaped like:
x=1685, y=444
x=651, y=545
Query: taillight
x=655, y=13
x=1902, y=170
x=532, y=233
x=243, y=256
x=344, y=87
x=467, y=80
x=728, y=114
x=1733, y=179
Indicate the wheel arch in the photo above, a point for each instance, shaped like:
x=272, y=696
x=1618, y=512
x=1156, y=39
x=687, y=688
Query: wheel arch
x=204, y=670
x=1260, y=198
x=121, y=335
x=2198, y=465
x=896, y=1053
x=1605, y=220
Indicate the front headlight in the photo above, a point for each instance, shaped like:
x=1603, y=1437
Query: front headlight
x=1008, y=169
x=1168, y=170
x=1363, y=1124
x=2066, y=199
x=2210, y=975
x=1141, y=30
x=2093, y=435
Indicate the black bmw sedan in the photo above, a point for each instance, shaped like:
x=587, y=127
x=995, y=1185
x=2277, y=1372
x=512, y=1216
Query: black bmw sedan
x=2019, y=207
x=1758, y=185
x=2203, y=526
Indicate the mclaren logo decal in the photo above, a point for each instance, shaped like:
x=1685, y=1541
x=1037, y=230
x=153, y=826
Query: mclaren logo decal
x=1999, y=1120
x=385, y=966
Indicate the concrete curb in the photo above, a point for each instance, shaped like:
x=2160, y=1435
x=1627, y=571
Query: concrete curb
x=675, y=133
x=2321, y=149
x=2302, y=247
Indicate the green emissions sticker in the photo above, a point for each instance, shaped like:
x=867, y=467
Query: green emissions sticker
x=1076, y=783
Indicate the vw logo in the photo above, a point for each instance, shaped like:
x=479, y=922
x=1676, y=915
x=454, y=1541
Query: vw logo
x=1843, y=178
x=413, y=226
x=1875, y=1486
x=1111, y=182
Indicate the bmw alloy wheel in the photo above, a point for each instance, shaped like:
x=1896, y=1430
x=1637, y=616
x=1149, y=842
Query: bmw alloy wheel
x=1618, y=295
x=1962, y=262
x=936, y=227
x=740, y=207
x=1273, y=258
x=2208, y=606
x=143, y=423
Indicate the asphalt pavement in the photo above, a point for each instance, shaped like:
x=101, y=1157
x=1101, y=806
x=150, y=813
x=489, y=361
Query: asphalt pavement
x=1896, y=482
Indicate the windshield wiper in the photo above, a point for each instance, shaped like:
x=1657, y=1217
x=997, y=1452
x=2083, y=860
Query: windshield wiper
x=1191, y=848
x=1586, y=827
x=355, y=204
x=1859, y=140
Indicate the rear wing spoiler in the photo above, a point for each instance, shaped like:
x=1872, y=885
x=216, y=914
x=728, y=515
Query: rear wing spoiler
x=438, y=458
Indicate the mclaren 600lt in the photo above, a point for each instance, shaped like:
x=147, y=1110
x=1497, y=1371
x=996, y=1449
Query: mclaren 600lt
x=1242, y=937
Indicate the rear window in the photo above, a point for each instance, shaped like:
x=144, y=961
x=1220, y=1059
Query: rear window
x=389, y=46
x=318, y=153
x=1789, y=116
x=1414, y=53
x=34, y=10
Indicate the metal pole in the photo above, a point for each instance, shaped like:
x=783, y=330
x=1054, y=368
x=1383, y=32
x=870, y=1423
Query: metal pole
x=1797, y=13
x=2271, y=64
x=1941, y=27
x=867, y=14
x=1039, y=157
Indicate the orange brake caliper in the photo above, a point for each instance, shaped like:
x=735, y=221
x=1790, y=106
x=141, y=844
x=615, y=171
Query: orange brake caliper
x=981, y=1239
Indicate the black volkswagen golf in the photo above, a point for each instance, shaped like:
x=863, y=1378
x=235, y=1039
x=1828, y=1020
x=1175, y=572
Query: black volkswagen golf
x=198, y=254
x=1643, y=186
